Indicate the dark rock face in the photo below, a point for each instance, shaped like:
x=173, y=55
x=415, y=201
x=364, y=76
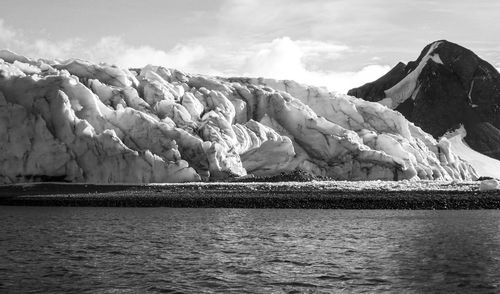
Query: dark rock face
x=452, y=86
x=374, y=91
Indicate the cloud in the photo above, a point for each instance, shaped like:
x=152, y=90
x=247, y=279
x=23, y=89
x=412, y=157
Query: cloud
x=284, y=58
x=344, y=81
x=279, y=59
x=109, y=49
x=15, y=40
x=115, y=50
x=306, y=61
x=50, y=49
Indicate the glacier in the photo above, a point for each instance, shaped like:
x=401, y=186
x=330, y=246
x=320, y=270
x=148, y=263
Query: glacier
x=78, y=121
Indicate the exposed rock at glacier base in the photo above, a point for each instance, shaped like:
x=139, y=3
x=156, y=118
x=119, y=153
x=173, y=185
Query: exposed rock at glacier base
x=83, y=122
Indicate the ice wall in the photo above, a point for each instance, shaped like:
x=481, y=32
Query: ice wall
x=83, y=122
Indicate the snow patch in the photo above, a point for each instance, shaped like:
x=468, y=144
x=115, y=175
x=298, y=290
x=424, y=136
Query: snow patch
x=436, y=58
x=405, y=88
x=484, y=165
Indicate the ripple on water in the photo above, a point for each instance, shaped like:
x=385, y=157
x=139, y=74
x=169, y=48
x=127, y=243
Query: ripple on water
x=165, y=250
x=293, y=262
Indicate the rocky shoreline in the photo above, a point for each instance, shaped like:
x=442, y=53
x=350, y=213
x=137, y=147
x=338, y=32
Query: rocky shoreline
x=303, y=195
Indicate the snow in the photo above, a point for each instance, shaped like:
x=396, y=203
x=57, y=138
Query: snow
x=484, y=165
x=97, y=123
x=469, y=95
x=407, y=86
x=436, y=58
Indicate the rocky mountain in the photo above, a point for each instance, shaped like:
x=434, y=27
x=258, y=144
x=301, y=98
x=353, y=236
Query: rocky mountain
x=82, y=122
x=447, y=86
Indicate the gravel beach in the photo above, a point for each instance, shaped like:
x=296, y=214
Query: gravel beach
x=308, y=195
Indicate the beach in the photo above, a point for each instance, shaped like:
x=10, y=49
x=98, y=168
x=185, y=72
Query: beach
x=307, y=195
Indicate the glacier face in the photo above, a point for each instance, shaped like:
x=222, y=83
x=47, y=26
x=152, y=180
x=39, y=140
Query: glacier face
x=82, y=122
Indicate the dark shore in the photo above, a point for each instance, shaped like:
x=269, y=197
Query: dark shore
x=255, y=195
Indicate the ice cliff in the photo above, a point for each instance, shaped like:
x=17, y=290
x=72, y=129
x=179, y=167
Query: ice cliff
x=83, y=122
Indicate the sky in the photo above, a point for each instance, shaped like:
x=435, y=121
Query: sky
x=339, y=44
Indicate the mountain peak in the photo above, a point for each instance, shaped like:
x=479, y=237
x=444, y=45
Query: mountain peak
x=447, y=85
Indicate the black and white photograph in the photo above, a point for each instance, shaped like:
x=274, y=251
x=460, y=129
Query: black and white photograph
x=249, y=146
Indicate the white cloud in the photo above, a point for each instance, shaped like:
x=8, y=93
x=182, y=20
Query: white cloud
x=284, y=58
x=115, y=50
x=306, y=61
x=16, y=40
x=343, y=81
x=110, y=49
x=326, y=50
x=281, y=59
x=50, y=49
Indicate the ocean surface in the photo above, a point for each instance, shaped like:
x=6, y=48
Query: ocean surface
x=172, y=250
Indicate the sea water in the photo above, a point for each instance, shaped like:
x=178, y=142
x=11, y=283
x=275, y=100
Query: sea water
x=172, y=250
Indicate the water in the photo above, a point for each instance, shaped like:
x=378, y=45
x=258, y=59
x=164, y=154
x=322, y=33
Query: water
x=131, y=250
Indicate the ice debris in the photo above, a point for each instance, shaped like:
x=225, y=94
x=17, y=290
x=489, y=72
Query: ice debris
x=489, y=185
